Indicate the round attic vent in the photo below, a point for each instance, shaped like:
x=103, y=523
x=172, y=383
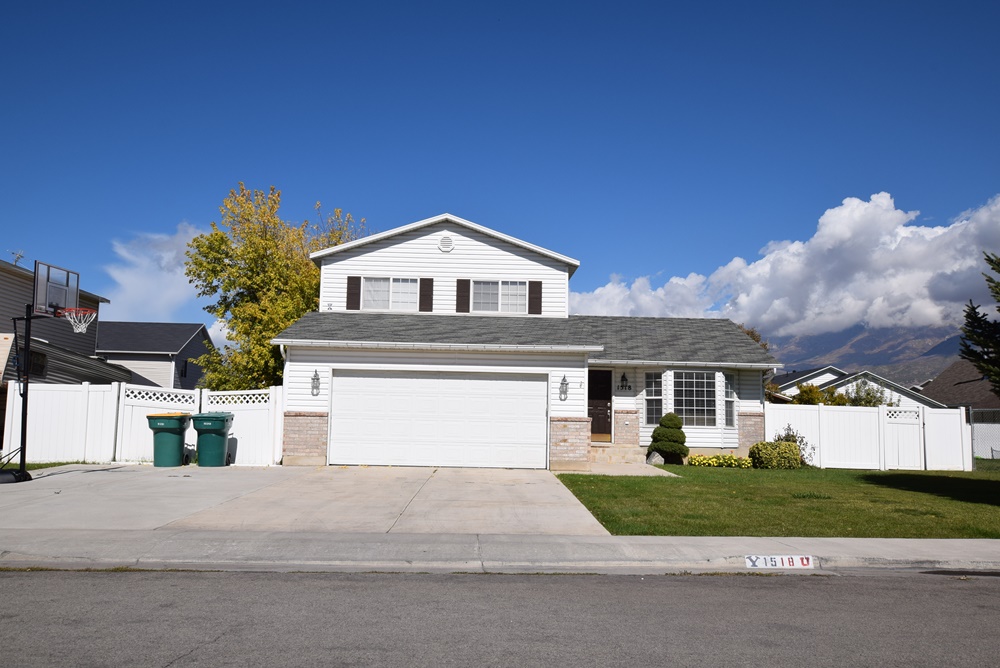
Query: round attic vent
x=446, y=244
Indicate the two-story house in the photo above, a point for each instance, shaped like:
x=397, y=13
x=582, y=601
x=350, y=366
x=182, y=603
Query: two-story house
x=445, y=343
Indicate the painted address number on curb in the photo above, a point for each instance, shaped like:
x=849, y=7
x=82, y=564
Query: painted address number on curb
x=797, y=561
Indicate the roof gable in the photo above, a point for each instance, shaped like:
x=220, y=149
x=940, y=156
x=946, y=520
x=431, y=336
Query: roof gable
x=570, y=263
x=790, y=380
x=875, y=379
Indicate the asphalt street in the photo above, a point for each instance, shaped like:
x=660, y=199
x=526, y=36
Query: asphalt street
x=307, y=619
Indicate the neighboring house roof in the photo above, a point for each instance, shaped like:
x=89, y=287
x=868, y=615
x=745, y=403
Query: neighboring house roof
x=82, y=366
x=29, y=274
x=962, y=384
x=793, y=378
x=153, y=338
x=607, y=339
x=885, y=383
x=446, y=217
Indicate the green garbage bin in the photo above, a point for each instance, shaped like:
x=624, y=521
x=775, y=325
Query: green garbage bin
x=168, y=437
x=213, y=438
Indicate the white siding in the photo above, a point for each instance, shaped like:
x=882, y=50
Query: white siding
x=302, y=362
x=896, y=398
x=415, y=254
x=146, y=369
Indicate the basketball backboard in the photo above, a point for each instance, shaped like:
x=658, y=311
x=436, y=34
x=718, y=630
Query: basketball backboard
x=56, y=289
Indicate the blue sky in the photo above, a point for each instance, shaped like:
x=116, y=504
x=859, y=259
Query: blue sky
x=685, y=153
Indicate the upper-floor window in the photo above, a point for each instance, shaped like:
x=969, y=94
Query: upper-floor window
x=500, y=296
x=389, y=294
x=694, y=398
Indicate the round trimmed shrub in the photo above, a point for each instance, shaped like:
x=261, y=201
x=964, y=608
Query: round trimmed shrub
x=775, y=455
x=668, y=440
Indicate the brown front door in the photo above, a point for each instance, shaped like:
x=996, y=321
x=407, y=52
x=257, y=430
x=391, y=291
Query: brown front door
x=599, y=404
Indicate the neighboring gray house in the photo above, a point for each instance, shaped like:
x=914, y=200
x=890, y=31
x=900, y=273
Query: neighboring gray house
x=157, y=353
x=58, y=354
x=445, y=343
x=962, y=385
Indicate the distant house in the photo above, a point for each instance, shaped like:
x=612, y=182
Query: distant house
x=841, y=381
x=962, y=384
x=157, y=353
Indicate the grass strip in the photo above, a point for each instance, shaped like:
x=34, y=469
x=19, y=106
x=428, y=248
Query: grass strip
x=805, y=502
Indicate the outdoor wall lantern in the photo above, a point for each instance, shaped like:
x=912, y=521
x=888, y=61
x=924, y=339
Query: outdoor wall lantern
x=315, y=383
x=563, y=389
x=623, y=385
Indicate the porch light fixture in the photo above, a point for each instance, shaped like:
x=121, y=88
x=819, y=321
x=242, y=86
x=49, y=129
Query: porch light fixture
x=563, y=388
x=315, y=383
x=623, y=384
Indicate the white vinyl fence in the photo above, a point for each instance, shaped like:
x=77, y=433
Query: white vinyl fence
x=882, y=438
x=107, y=423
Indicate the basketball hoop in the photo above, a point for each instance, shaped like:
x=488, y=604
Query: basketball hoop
x=79, y=318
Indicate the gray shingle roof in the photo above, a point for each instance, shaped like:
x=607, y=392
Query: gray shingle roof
x=677, y=340
x=962, y=384
x=145, y=337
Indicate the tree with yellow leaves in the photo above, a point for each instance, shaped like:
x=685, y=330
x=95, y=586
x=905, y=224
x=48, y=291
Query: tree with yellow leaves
x=257, y=268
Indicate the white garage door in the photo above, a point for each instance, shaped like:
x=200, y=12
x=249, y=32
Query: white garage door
x=439, y=419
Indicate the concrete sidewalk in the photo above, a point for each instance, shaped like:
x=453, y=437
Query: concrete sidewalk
x=358, y=519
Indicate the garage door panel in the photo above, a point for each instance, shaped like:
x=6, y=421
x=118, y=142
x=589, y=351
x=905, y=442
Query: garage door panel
x=439, y=419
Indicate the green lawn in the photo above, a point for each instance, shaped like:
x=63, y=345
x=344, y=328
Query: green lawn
x=806, y=502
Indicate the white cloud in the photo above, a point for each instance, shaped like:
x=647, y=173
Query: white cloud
x=867, y=263
x=149, y=277
x=219, y=334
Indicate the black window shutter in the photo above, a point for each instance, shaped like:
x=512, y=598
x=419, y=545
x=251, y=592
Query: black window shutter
x=463, y=290
x=353, y=293
x=426, y=295
x=534, y=297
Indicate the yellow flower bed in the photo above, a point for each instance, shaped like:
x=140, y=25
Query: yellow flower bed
x=722, y=461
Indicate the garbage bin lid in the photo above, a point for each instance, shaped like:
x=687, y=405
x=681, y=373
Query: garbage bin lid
x=217, y=416
x=168, y=414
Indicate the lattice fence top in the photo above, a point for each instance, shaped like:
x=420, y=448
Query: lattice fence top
x=153, y=395
x=903, y=414
x=248, y=398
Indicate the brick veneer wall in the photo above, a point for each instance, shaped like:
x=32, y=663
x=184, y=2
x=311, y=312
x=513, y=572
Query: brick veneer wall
x=305, y=440
x=627, y=427
x=751, y=429
x=569, y=439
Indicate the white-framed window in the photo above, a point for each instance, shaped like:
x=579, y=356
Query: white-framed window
x=404, y=294
x=694, y=398
x=654, y=398
x=500, y=296
x=383, y=294
x=730, y=380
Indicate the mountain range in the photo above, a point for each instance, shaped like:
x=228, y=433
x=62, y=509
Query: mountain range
x=904, y=355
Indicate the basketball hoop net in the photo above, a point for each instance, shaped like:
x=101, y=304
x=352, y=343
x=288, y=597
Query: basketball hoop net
x=79, y=318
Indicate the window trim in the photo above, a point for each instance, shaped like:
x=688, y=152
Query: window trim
x=729, y=399
x=708, y=412
x=393, y=304
x=653, y=376
x=503, y=295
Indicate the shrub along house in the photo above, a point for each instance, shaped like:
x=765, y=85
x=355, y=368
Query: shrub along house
x=445, y=343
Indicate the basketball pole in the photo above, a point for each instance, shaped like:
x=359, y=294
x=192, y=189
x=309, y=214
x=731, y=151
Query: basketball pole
x=22, y=475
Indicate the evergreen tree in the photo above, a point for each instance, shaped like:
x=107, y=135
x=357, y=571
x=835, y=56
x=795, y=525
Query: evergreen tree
x=981, y=336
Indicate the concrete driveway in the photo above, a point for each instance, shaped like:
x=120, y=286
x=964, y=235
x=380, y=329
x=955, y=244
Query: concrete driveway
x=322, y=499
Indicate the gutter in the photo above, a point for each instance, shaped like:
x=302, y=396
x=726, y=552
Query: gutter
x=377, y=345
x=761, y=366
